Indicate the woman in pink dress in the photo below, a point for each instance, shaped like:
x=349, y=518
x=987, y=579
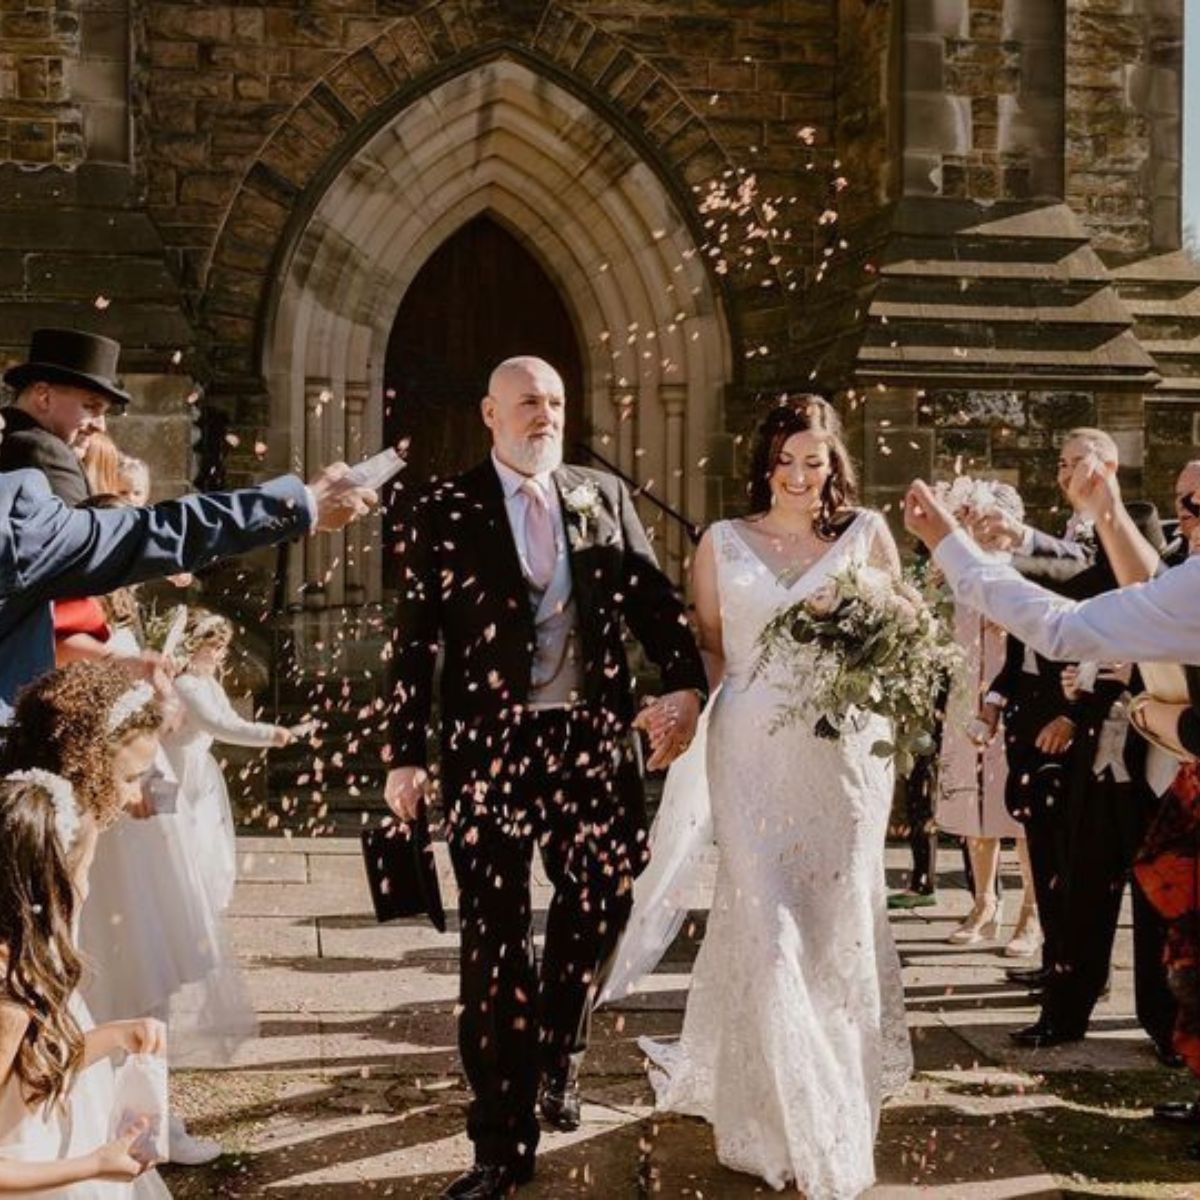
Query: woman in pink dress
x=972, y=770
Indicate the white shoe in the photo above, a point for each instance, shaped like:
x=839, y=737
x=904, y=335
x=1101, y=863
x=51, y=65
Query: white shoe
x=188, y=1151
x=981, y=925
x=1026, y=940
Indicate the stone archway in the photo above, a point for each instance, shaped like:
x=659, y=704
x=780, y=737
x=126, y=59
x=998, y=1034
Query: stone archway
x=480, y=298
x=502, y=141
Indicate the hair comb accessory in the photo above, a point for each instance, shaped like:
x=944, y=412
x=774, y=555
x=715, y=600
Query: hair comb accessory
x=62, y=797
x=128, y=703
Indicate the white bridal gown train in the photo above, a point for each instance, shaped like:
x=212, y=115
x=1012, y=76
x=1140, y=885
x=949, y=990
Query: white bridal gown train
x=795, y=1030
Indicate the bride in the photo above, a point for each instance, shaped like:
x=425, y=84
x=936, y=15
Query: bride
x=794, y=1031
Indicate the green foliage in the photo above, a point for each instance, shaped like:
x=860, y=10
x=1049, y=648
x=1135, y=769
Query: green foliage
x=862, y=643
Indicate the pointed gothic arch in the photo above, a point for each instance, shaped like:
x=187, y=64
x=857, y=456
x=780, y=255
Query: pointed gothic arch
x=503, y=141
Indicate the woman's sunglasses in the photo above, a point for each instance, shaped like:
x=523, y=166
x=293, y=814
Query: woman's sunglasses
x=1191, y=503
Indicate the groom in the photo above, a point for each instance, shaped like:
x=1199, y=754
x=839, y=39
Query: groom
x=527, y=572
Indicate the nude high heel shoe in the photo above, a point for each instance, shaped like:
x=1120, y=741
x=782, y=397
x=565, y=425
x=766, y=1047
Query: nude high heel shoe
x=981, y=925
x=1026, y=940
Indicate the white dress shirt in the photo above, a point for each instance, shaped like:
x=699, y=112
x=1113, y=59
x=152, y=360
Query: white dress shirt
x=1157, y=621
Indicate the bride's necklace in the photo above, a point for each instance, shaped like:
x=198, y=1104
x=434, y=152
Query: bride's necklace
x=806, y=547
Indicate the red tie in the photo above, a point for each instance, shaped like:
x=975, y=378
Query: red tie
x=540, y=551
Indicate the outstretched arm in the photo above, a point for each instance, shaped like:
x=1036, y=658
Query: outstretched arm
x=1158, y=621
x=51, y=552
x=1093, y=489
x=56, y=552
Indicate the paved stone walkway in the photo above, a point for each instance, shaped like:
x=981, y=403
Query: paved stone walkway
x=353, y=1090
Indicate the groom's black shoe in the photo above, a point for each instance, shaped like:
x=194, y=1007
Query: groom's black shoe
x=1045, y=1033
x=489, y=1181
x=560, y=1106
x=1030, y=977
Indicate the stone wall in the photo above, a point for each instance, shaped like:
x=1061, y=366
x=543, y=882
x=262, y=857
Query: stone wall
x=868, y=129
x=1124, y=103
x=244, y=112
x=1172, y=439
x=983, y=98
x=251, y=110
x=64, y=81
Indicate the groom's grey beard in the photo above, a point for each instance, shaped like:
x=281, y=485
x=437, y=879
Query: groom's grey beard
x=532, y=456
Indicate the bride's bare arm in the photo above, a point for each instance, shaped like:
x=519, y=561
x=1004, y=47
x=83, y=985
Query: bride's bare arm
x=707, y=608
x=883, y=553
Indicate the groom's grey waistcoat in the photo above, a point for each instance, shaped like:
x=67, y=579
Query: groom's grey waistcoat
x=556, y=675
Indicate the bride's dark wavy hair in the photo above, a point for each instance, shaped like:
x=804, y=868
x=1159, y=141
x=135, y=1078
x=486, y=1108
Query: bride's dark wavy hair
x=807, y=413
x=42, y=967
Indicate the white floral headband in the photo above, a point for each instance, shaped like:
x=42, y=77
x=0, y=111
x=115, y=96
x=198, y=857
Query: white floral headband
x=128, y=703
x=207, y=626
x=62, y=797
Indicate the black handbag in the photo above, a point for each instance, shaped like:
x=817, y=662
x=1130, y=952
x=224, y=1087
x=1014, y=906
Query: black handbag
x=401, y=871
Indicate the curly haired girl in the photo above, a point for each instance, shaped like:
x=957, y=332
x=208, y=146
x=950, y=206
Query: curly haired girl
x=89, y=723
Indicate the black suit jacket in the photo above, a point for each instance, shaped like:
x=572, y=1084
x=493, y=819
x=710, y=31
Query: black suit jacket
x=462, y=588
x=1032, y=699
x=25, y=444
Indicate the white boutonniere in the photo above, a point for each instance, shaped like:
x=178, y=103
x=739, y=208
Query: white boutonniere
x=584, y=502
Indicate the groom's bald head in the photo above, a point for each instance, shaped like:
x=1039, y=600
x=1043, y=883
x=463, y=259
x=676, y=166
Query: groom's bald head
x=525, y=373
x=525, y=409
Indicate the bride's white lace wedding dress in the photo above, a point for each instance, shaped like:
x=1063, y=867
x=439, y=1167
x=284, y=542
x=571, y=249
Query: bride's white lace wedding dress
x=794, y=1031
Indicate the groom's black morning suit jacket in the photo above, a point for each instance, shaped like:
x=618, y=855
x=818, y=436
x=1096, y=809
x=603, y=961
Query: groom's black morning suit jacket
x=461, y=584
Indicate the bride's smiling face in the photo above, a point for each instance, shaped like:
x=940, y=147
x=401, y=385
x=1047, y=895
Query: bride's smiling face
x=800, y=474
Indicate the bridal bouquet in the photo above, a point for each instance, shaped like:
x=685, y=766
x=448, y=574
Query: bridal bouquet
x=863, y=643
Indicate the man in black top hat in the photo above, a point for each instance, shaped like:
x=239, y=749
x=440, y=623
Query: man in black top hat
x=63, y=393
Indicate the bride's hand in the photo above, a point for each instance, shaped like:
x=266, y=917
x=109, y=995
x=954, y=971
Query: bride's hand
x=670, y=723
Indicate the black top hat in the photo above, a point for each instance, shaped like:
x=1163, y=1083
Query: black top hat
x=71, y=356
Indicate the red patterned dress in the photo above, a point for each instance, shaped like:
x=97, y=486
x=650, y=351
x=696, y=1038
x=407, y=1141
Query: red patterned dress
x=1168, y=868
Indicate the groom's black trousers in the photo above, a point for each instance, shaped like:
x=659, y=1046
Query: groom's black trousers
x=552, y=782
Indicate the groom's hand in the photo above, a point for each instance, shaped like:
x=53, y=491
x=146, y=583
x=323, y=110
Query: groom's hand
x=670, y=723
x=404, y=791
x=925, y=516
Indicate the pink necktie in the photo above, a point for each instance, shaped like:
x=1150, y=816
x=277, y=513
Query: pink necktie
x=540, y=550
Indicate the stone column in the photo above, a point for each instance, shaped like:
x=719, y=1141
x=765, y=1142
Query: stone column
x=318, y=398
x=1124, y=416
x=624, y=400
x=354, y=570
x=674, y=404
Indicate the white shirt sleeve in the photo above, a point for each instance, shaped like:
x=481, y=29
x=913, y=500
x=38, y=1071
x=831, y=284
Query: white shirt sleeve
x=1157, y=621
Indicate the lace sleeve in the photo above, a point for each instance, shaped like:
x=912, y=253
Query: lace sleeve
x=882, y=552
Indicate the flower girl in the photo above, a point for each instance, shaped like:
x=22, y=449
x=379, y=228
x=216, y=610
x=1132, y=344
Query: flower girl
x=59, y=1094
x=145, y=927
x=208, y=716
